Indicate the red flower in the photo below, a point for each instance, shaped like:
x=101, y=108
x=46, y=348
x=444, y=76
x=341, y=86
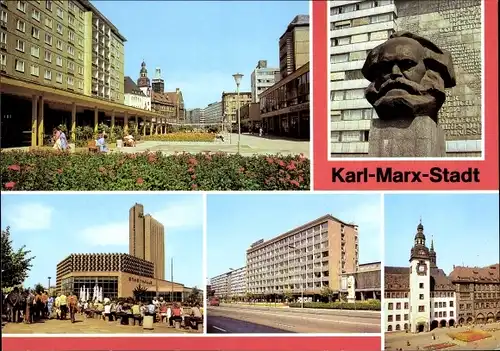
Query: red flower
x=194, y=186
x=59, y=171
x=102, y=169
x=191, y=170
x=294, y=182
x=140, y=181
x=270, y=160
x=193, y=161
x=241, y=170
x=9, y=185
x=193, y=176
x=281, y=163
x=301, y=179
x=291, y=166
x=16, y=168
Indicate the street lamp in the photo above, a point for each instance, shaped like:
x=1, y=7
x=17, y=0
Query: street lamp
x=48, y=288
x=237, y=78
x=292, y=246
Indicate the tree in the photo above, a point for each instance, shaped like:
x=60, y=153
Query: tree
x=288, y=295
x=139, y=292
x=39, y=288
x=194, y=297
x=15, y=264
x=327, y=293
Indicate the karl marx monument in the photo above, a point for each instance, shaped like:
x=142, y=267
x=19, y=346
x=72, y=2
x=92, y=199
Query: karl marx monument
x=408, y=76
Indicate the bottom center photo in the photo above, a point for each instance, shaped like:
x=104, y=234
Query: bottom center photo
x=280, y=263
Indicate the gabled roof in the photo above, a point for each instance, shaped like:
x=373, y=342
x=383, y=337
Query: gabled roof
x=488, y=274
x=131, y=88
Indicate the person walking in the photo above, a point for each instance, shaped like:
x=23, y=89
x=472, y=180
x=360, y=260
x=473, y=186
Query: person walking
x=73, y=306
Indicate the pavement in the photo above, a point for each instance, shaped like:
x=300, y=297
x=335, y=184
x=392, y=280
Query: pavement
x=87, y=326
x=398, y=340
x=249, y=145
x=244, y=319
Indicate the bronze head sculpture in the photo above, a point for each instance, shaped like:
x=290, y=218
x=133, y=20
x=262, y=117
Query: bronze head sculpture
x=408, y=75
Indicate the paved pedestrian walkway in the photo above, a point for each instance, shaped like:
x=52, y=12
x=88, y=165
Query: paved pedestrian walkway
x=249, y=145
x=422, y=341
x=86, y=326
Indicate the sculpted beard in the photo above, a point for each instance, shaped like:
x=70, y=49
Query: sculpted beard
x=424, y=98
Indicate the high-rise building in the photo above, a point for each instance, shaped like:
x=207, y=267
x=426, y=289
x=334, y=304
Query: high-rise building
x=358, y=26
x=147, y=239
x=213, y=113
x=304, y=260
x=231, y=284
x=294, y=46
x=262, y=78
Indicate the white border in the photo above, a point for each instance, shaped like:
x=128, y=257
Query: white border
x=409, y=159
x=311, y=96
x=205, y=261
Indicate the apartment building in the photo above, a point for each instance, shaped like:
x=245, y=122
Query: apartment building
x=230, y=104
x=213, y=113
x=147, y=239
x=231, y=284
x=304, y=260
x=357, y=26
x=262, y=77
x=56, y=43
x=196, y=115
x=294, y=46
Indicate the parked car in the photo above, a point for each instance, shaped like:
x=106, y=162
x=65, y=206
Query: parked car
x=214, y=301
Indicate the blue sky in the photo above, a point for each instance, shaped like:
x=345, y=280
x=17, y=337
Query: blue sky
x=234, y=222
x=199, y=45
x=54, y=226
x=464, y=228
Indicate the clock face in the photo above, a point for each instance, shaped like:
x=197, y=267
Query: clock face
x=421, y=268
x=422, y=252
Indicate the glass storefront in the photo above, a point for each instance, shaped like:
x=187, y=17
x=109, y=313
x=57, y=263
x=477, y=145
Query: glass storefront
x=109, y=285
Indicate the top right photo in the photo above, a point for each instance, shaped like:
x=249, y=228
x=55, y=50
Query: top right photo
x=406, y=79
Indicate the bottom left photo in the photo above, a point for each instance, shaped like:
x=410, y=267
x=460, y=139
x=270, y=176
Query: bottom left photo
x=102, y=264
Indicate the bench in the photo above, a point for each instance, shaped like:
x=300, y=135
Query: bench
x=92, y=145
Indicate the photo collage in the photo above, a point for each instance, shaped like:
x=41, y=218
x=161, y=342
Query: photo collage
x=145, y=203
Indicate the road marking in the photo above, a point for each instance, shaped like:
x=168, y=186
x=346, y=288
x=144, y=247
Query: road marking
x=219, y=329
x=309, y=318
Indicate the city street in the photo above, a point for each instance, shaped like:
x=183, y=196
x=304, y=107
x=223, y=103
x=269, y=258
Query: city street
x=244, y=319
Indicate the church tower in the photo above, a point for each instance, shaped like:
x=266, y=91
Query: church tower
x=143, y=82
x=420, y=282
x=432, y=255
x=158, y=83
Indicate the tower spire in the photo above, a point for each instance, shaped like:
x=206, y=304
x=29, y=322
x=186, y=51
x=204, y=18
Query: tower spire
x=432, y=242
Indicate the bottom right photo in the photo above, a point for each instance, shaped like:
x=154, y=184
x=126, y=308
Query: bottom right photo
x=441, y=271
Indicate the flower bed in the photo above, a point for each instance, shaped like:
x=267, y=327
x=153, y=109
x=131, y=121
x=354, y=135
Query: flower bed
x=42, y=170
x=181, y=136
x=439, y=346
x=469, y=335
x=370, y=305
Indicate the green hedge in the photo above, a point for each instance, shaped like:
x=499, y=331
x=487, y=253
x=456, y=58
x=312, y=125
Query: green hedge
x=47, y=170
x=370, y=305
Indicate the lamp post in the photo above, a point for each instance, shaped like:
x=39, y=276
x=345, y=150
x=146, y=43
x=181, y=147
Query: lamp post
x=48, y=288
x=237, y=78
x=292, y=246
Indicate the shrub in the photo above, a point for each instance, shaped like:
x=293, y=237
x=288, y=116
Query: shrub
x=181, y=136
x=45, y=170
x=369, y=305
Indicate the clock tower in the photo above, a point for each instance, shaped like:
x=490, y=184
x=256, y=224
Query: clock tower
x=420, y=300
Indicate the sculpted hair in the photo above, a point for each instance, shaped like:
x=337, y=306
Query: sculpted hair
x=435, y=59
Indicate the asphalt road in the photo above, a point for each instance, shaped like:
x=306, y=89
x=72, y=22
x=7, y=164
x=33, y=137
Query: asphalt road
x=251, y=320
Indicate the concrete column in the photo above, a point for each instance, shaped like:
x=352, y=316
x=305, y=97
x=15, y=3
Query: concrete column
x=362, y=295
x=41, y=127
x=145, y=126
x=73, y=122
x=151, y=126
x=112, y=120
x=96, y=119
x=156, y=128
x=125, y=124
x=136, y=124
x=34, y=121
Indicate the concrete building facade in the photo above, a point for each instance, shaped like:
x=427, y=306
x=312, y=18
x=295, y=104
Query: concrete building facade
x=230, y=105
x=358, y=26
x=262, y=78
x=147, y=239
x=367, y=281
x=213, y=113
x=304, y=260
x=231, y=284
x=294, y=46
x=250, y=117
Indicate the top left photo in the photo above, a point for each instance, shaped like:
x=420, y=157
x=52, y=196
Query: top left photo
x=192, y=96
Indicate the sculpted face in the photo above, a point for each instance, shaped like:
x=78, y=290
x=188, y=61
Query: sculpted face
x=401, y=83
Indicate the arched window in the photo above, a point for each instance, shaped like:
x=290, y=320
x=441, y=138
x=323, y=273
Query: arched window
x=406, y=326
x=398, y=327
x=389, y=328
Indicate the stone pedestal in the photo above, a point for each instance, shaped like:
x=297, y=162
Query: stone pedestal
x=351, y=299
x=404, y=137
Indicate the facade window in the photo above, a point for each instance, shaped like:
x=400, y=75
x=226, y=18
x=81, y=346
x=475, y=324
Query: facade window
x=389, y=318
x=48, y=56
x=421, y=296
x=60, y=12
x=389, y=328
x=435, y=315
x=451, y=303
x=35, y=70
x=3, y=37
x=382, y=18
x=35, y=51
x=3, y=16
x=435, y=305
x=354, y=94
x=35, y=32
x=398, y=318
x=358, y=55
x=19, y=66
x=59, y=44
x=48, y=22
x=340, y=41
x=59, y=61
x=406, y=305
x=59, y=77
x=398, y=305
x=71, y=20
x=80, y=70
x=71, y=81
x=421, y=308
x=80, y=84
x=59, y=28
x=3, y=59
x=48, y=39
x=80, y=42
x=48, y=5
x=451, y=313
x=20, y=45
x=406, y=317
x=21, y=6
x=71, y=36
x=20, y=26
x=339, y=58
x=71, y=65
x=35, y=14
x=47, y=75
x=421, y=285
x=71, y=50
x=444, y=314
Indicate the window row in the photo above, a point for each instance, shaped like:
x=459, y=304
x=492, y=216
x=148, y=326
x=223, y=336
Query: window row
x=349, y=136
x=349, y=56
x=35, y=32
x=352, y=115
x=20, y=66
x=365, y=5
x=361, y=38
x=351, y=94
x=356, y=22
x=390, y=318
x=346, y=75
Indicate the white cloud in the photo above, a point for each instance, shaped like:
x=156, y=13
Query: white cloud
x=30, y=216
x=186, y=214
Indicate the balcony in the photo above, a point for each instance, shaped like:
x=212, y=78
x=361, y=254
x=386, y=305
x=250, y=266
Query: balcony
x=3, y=23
